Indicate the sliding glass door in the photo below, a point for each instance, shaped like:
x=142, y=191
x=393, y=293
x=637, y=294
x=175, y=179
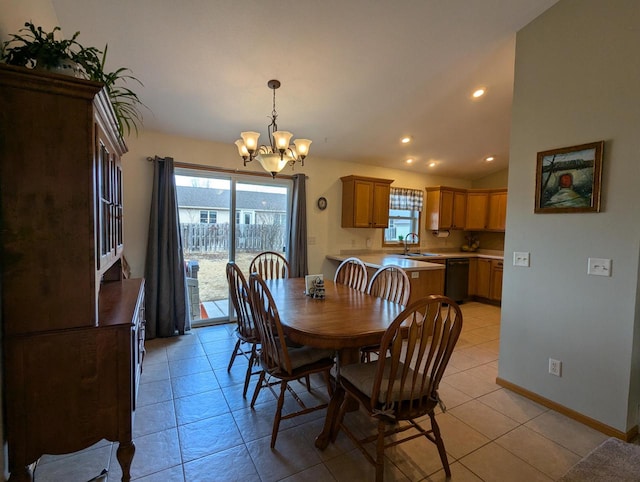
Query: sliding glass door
x=226, y=217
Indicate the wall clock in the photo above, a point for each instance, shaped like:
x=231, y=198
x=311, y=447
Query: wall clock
x=322, y=203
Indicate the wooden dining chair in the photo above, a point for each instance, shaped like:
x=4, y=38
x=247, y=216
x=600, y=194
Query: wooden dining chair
x=392, y=284
x=404, y=385
x=270, y=265
x=353, y=273
x=245, y=330
x=280, y=363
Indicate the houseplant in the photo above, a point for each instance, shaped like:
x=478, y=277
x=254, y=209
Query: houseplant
x=32, y=47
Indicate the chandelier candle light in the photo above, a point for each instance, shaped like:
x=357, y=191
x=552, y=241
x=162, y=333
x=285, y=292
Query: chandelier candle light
x=279, y=153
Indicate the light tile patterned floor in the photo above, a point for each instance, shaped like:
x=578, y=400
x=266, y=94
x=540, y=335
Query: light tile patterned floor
x=193, y=425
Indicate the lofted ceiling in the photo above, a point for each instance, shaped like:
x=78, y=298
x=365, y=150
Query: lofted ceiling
x=356, y=75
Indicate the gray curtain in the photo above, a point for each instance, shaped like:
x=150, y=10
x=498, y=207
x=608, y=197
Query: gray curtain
x=165, y=287
x=298, y=228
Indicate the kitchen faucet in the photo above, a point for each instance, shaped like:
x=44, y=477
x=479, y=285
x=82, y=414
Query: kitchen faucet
x=414, y=237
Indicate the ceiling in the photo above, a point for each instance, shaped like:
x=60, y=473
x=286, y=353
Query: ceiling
x=356, y=75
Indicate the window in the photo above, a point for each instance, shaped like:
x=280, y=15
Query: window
x=404, y=215
x=245, y=217
x=208, y=217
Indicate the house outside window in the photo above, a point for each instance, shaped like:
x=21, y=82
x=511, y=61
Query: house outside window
x=405, y=206
x=245, y=217
x=208, y=217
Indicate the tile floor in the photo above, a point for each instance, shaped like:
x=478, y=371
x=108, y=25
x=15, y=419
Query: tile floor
x=193, y=425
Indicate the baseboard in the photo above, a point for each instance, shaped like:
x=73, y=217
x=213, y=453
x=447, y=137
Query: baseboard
x=590, y=422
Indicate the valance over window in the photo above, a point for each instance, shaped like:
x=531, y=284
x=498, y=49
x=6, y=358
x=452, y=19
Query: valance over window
x=408, y=199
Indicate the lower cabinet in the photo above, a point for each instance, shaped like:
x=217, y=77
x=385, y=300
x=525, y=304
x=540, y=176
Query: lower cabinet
x=72, y=388
x=495, y=288
x=485, y=278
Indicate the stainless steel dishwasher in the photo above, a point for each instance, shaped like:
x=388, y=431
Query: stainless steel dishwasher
x=456, y=282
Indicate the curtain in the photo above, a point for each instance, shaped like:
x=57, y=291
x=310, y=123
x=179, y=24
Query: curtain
x=165, y=287
x=408, y=199
x=298, y=228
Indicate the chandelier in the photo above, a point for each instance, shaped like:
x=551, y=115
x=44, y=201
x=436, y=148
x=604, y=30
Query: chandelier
x=279, y=152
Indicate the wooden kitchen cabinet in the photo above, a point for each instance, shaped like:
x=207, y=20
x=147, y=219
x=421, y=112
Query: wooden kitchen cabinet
x=497, y=210
x=477, y=208
x=365, y=202
x=486, y=210
x=483, y=278
x=73, y=329
x=445, y=208
x=495, y=289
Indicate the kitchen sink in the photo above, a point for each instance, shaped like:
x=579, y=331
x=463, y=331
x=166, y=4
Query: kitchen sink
x=422, y=254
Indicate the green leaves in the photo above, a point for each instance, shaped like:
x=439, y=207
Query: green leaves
x=32, y=47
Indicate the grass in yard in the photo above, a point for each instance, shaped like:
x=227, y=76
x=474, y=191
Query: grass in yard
x=212, y=278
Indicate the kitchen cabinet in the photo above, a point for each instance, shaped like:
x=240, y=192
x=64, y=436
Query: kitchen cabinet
x=73, y=328
x=445, y=208
x=485, y=278
x=365, y=202
x=495, y=288
x=497, y=210
x=477, y=208
x=486, y=210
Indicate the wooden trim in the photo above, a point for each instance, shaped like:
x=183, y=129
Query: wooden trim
x=588, y=421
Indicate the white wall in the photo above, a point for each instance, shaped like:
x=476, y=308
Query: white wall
x=576, y=81
x=14, y=13
x=323, y=180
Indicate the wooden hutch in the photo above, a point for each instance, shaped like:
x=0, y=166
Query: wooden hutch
x=72, y=327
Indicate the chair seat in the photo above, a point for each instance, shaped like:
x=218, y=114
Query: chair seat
x=362, y=377
x=306, y=355
x=251, y=337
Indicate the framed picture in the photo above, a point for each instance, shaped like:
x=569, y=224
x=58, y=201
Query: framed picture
x=568, y=179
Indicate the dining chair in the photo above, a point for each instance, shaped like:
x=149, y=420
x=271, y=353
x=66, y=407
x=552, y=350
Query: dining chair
x=280, y=363
x=270, y=265
x=404, y=385
x=353, y=273
x=390, y=283
x=245, y=330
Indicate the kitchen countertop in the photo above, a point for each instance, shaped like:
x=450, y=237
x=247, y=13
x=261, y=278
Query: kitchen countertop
x=380, y=260
x=458, y=254
x=413, y=263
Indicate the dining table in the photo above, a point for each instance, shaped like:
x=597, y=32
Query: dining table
x=345, y=320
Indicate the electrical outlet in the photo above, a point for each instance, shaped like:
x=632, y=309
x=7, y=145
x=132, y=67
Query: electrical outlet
x=415, y=274
x=521, y=259
x=555, y=367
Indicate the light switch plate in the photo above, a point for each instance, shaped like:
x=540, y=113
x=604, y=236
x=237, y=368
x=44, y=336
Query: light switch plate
x=521, y=259
x=599, y=267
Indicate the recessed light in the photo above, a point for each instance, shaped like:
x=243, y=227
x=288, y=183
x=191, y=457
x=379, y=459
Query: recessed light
x=479, y=92
x=432, y=164
x=405, y=140
x=409, y=161
x=489, y=159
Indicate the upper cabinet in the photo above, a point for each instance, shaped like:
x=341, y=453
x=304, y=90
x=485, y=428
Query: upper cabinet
x=477, y=207
x=497, y=210
x=469, y=209
x=446, y=208
x=365, y=202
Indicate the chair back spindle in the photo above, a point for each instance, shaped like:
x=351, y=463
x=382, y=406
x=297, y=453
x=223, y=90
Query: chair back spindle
x=390, y=283
x=353, y=273
x=270, y=265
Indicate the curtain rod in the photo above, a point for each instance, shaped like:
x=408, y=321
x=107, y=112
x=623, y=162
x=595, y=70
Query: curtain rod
x=202, y=167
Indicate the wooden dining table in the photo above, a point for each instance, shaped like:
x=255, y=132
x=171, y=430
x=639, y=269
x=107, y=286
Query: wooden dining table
x=345, y=320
